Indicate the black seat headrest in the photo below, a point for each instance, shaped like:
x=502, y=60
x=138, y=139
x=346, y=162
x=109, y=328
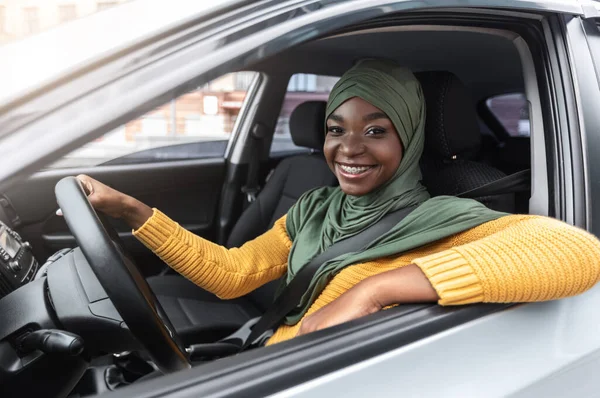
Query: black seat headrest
x=307, y=125
x=451, y=128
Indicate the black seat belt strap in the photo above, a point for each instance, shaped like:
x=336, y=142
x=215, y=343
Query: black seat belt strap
x=251, y=188
x=290, y=297
x=517, y=182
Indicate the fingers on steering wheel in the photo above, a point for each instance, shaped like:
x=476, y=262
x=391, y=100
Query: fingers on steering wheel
x=86, y=184
x=87, y=187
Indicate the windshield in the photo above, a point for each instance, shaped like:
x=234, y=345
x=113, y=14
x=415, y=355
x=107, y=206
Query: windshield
x=23, y=18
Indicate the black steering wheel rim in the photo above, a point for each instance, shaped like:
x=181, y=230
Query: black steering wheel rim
x=121, y=279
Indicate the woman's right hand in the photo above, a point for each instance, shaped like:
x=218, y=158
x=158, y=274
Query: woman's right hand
x=115, y=203
x=102, y=197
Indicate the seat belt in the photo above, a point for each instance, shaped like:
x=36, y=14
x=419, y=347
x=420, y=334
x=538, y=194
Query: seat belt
x=291, y=295
x=517, y=182
x=255, y=331
x=251, y=189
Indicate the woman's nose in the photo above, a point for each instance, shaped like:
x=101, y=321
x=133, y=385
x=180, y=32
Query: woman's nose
x=352, y=145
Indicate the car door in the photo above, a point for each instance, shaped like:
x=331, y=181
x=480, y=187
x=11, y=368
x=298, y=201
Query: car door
x=172, y=158
x=511, y=352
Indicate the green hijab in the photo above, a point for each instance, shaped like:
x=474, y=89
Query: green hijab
x=326, y=215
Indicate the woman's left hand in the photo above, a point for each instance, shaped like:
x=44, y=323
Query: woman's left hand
x=356, y=302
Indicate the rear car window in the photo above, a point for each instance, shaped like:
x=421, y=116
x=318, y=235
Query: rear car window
x=512, y=111
x=301, y=88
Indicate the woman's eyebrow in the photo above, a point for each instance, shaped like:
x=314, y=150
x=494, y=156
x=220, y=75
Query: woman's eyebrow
x=336, y=118
x=374, y=116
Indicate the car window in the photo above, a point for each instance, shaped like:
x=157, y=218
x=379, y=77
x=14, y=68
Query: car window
x=19, y=19
x=301, y=88
x=194, y=126
x=512, y=111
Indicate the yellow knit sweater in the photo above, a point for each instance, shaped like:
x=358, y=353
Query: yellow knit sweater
x=515, y=258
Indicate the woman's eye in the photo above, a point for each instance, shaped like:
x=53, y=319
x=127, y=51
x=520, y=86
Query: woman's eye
x=334, y=130
x=375, y=131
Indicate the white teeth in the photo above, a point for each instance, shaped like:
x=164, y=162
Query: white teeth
x=354, y=170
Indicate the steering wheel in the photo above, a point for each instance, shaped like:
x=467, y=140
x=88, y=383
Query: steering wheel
x=121, y=279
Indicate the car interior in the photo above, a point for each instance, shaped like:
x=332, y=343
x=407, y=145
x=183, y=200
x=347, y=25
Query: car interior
x=460, y=67
x=458, y=155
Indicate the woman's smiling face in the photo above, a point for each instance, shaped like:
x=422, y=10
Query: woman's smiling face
x=362, y=147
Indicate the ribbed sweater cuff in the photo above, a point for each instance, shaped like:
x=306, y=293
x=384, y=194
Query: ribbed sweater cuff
x=452, y=278
x=156, y=230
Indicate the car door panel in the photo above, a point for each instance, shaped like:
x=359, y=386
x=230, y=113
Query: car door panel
x=187, y=191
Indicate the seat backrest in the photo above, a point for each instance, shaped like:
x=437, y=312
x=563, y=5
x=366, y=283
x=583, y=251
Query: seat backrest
x=291, y=178
x=452, y=140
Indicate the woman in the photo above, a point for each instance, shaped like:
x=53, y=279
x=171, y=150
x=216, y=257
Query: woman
x=454, y=251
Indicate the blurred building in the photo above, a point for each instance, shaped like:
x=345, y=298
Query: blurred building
x=209, y=112
x=20, y=18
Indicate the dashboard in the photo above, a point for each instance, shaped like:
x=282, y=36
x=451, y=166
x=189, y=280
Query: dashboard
x=18, y=266
x=51, y=312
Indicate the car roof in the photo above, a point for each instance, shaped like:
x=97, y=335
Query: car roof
x=470, y=53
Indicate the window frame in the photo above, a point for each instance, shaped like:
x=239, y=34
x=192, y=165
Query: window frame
x=579, y=42
x=591, y=28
